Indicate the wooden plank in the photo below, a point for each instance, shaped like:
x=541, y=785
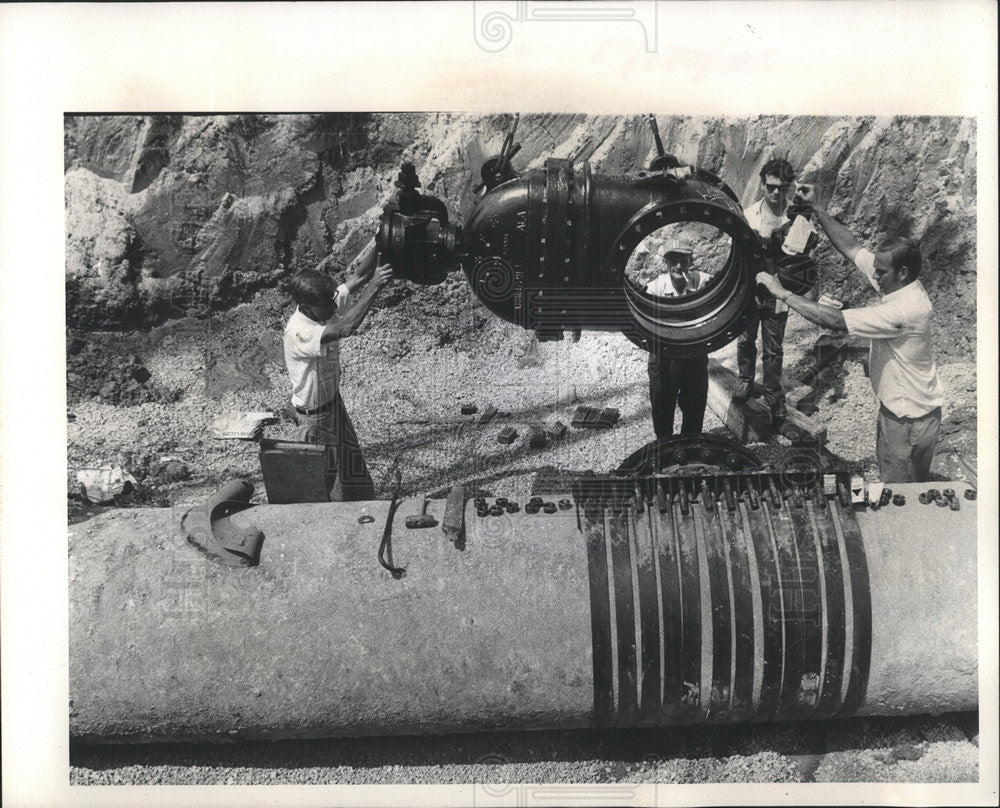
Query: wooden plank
x=796, y=394
x=830, y=346
x=968, y=468
x=815, y=431
x=750, y=422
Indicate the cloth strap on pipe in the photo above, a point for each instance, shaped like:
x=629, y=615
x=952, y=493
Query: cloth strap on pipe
x=209, y=529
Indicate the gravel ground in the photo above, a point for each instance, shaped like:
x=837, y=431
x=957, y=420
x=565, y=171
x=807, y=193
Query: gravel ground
x=393, y=374
x=915, y=749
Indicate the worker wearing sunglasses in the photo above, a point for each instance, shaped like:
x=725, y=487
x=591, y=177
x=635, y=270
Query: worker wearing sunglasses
x=767, y=216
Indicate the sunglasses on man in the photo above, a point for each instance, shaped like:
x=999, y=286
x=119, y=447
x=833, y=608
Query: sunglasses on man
x=772, y=187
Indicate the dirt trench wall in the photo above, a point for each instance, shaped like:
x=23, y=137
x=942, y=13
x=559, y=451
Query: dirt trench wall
x=171, y=215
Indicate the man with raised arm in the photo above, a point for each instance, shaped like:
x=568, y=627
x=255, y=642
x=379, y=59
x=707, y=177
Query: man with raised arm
x=325, y=314
x=902, y=368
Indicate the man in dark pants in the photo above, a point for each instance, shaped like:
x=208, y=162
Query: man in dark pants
x=674, y=382
x=767, y=217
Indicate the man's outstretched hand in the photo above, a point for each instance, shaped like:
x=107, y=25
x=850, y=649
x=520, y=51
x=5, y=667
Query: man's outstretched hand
x=804, y=192
x=772, y=284
x=806, y=196
x=383, y=275
x=364, y=268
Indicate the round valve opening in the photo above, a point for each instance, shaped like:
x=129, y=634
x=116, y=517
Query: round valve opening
x=688, y=273
x=678, y=261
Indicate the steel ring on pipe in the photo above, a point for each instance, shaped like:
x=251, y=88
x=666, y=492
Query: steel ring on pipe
x=680, y=450
x=711, y=317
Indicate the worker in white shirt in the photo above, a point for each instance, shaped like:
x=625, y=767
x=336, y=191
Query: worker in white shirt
x=325, y=314
x=901, y=366
x=767, y=217
x=677, y=382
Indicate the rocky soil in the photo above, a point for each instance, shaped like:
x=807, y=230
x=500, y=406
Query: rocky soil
x=181, y=232
x=912, y=750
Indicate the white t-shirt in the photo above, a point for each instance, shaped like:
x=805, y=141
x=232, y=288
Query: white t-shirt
x=901, y=363
x=313, y=366
x=663, y=285
x=760, y=218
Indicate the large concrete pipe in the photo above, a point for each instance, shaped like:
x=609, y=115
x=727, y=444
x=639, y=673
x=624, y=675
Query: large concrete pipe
x=649, y=602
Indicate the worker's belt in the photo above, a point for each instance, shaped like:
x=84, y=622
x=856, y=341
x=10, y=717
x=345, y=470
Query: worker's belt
x=904, y=419
x=320, y=409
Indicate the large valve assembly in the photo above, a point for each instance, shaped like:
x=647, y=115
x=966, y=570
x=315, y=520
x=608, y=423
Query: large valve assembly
x=548, y=250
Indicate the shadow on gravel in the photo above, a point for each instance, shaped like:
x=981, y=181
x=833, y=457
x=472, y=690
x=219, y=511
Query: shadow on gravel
x=623, y=755
x=494, y=463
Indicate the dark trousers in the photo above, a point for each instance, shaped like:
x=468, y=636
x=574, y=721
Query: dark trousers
x=772, y=331
x=905, y=446
x=333, y=427
x=674, y=382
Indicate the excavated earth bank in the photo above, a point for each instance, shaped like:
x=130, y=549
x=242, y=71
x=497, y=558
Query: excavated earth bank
x=181, y=232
